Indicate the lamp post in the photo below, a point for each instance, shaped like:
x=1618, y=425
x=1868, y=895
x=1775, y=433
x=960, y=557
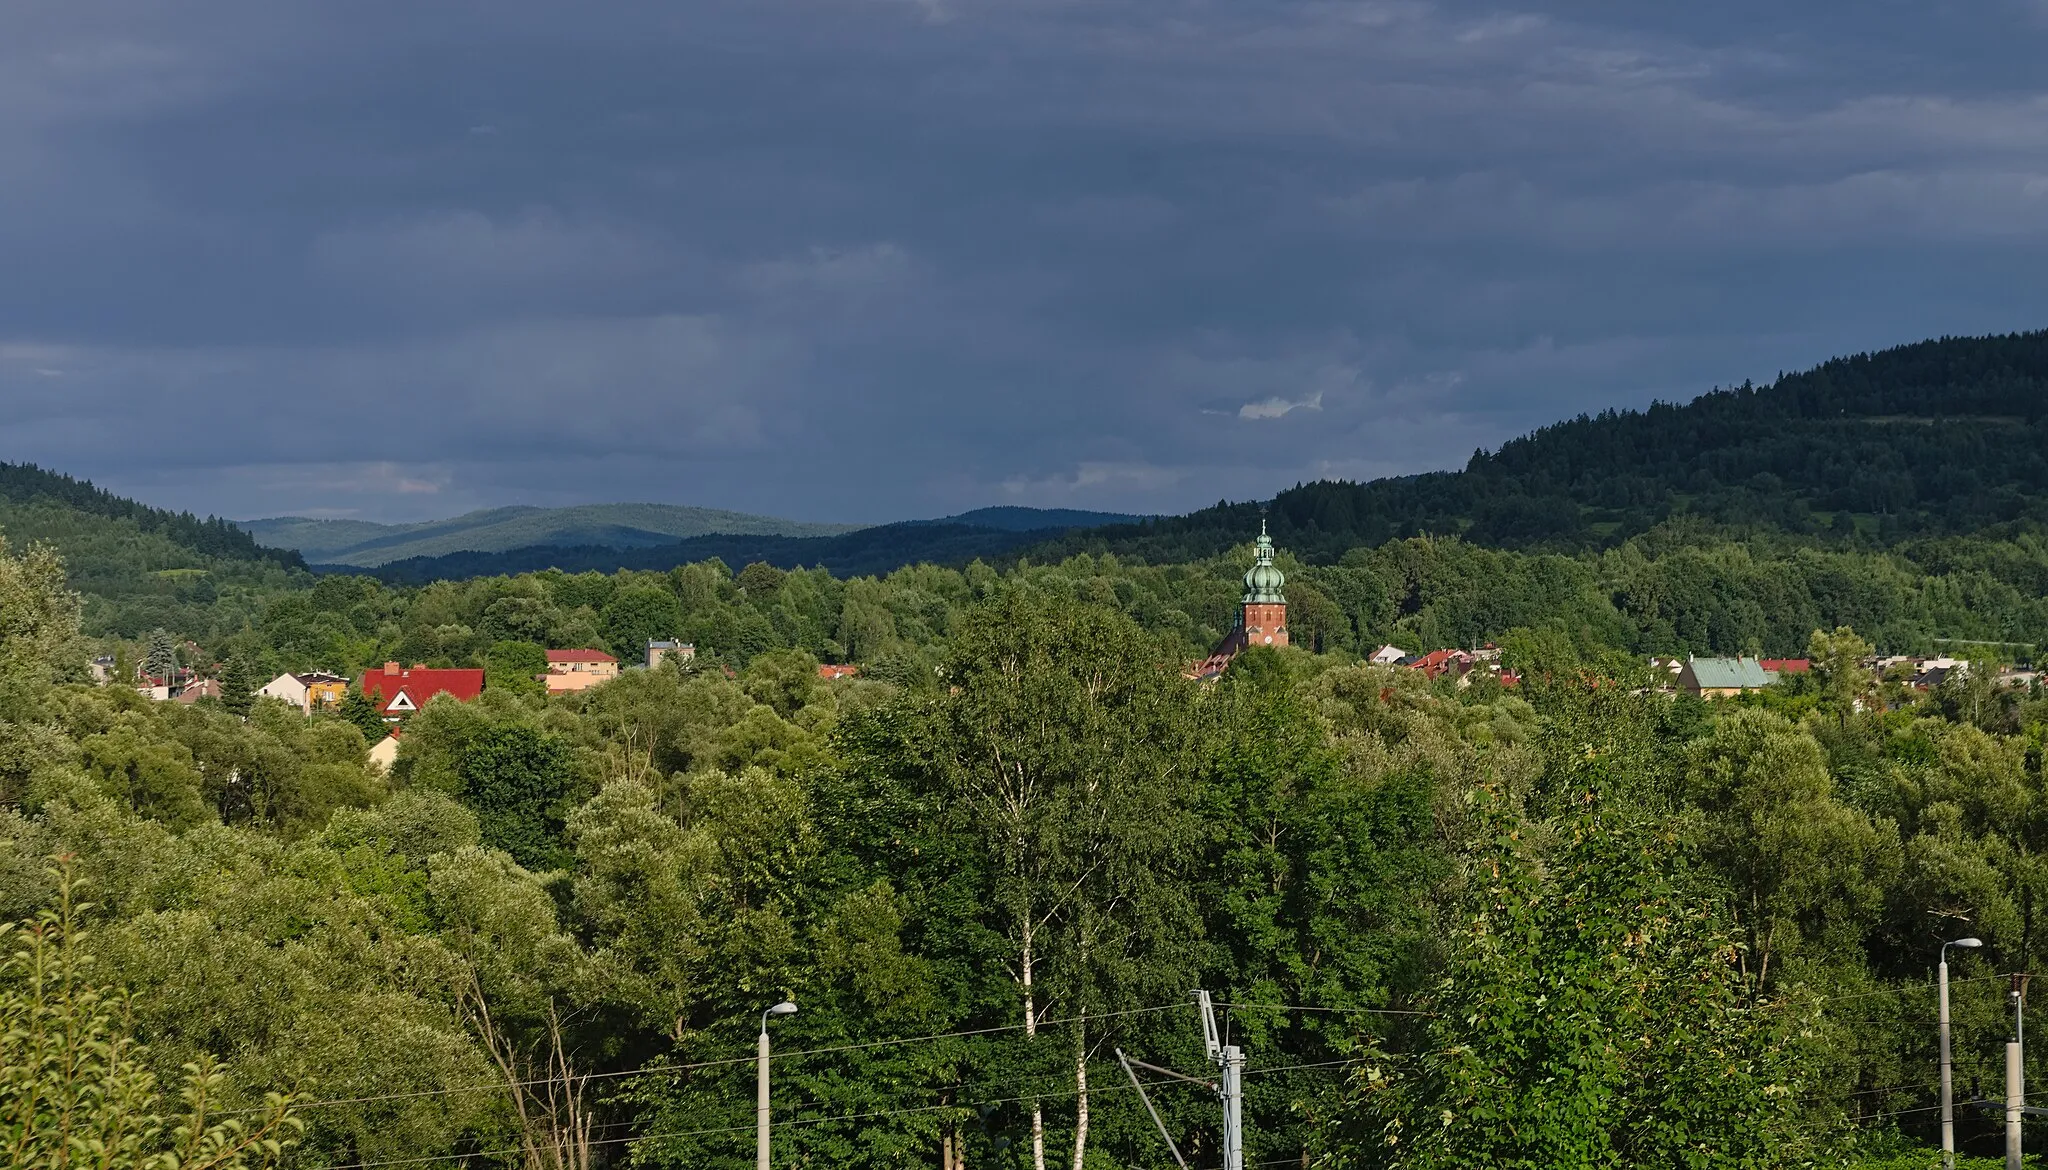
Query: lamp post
x=2016, y=1073
x=1948, y=1108
x=786, y=1008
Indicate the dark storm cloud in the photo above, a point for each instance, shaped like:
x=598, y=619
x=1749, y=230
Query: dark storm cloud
x=881, y=258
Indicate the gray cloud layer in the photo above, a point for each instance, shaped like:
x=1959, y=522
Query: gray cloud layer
x=864, y=259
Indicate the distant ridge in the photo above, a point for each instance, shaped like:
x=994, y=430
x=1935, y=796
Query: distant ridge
x=1009, y=518
x=864, y=552
x=363, y=544
x=1924, y=440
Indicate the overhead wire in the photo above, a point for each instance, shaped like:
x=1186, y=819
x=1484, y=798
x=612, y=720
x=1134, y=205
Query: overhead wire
x=1295, y=1007
x=804, y=1122
x=659, y=1069
x=1901, y=989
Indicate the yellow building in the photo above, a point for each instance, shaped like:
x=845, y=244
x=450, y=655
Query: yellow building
x=576, y=670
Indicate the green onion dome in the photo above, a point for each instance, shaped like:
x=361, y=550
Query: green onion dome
x=1264, y=581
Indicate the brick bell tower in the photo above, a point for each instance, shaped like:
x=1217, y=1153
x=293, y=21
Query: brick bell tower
x=1264, y=618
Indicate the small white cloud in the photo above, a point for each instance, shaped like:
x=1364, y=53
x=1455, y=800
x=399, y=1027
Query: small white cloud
x=1277, y=407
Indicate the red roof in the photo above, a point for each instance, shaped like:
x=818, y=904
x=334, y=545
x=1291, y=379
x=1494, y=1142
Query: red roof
x=397, y=691
x=555, y=656
x=1436, y=662
x=1787, y=665
x=829, y=672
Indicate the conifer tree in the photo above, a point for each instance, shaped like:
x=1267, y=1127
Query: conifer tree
x=160, y=660
x=238, y=684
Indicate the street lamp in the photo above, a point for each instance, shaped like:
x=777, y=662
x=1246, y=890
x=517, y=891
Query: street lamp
x=786, y=1008
x=1948, y=1109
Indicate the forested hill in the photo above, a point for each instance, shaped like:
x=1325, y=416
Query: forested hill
x=26, y=485
x=1940, y=437
x=140, y=567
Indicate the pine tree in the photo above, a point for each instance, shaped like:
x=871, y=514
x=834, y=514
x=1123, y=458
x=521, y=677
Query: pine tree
x=160, y=661
x=238, y=685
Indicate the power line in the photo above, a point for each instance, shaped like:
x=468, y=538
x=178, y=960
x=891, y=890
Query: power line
x=656, y=1070
x=1931, y=1108
x=1295, y=1007
x=843, y=1117
x=1902, y=989
x=749, y=1128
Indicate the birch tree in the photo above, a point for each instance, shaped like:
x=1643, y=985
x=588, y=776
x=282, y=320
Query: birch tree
x=1066, y=747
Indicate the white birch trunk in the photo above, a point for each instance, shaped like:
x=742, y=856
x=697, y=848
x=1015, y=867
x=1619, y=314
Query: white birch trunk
x=1030, y=1032
x=1081, y=1100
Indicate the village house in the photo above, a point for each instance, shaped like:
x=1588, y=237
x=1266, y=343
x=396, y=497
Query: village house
x=2020, y=675
x=833, y=673
x=1933, y=676
x=1721, y=678
x=385, y=753
x=162, y=690
x=658, y=650
x=576, y=670
x=1463, y=665
x=1439, y=662
x=308, y=691
x=1388, y=655
x=204, y=688
x=398, y=692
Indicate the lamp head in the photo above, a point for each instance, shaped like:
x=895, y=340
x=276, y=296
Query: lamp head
x=785, y=1008
x=1961, y=942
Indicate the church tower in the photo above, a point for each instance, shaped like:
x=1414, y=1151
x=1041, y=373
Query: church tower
x=1264, y=617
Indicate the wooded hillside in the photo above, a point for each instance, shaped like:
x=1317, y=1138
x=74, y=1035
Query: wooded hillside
x=1941, y=437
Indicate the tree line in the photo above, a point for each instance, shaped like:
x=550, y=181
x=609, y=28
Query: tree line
x=1685, y=587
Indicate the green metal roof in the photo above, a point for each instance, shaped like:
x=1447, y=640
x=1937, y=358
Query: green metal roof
x=1264, y=581
x=1727, y=673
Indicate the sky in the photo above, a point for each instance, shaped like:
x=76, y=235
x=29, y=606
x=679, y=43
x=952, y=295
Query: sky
x=863, y=260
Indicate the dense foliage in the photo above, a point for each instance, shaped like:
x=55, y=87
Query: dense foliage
x=1577, y=924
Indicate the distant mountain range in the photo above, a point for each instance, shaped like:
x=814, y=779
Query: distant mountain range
x=613, y=536
x=864, y=552
x=362, y=544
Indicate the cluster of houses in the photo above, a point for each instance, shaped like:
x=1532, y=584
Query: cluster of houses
x=1463, y=666
x=1925, y=674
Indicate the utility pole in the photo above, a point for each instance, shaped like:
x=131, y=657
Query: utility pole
x=1229, y=1058
x=1948, y=1105
x=1230, y=1087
